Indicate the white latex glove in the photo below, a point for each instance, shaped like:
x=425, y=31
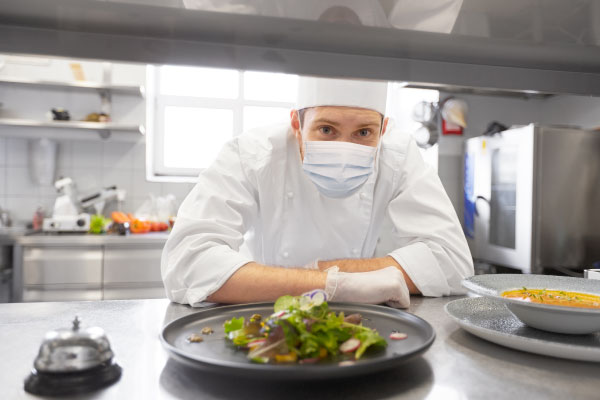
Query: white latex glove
x=385, y=285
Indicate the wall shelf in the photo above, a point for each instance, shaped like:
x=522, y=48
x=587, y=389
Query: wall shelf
x=104, y=129
x=80, y=85
x=97, y=126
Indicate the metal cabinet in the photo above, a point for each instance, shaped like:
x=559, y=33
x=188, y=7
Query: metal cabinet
x=96, y=272
x=5, y=272
x=62, y=273
x=132, y=272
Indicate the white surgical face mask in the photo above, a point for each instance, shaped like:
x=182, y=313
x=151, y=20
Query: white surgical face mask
x=338, y=169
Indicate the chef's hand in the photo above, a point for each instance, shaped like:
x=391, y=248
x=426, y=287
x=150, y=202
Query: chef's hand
x=385, y=285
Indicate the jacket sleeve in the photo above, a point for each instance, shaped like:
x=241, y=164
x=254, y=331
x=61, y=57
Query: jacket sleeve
x=432, y=248
x=202, y=251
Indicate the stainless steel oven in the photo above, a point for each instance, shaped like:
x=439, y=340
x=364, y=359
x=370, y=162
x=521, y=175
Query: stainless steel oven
x=532, y=198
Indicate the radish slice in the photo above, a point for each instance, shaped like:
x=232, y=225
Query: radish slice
x=345, y=363
x=350, y=345
x=278, y=314
x=309, y=360
x=398, y=336
x=264, y=349
x=256, y=342
x=318, y=297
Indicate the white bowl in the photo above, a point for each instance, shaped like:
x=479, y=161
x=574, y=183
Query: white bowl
x=560, y=319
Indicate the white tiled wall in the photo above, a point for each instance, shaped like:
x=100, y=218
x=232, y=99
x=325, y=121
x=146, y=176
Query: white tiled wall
x=92, y=164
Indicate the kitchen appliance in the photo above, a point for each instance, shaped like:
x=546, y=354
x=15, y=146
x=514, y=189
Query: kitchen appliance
x=98, y=200
x=67, y=223
x=73, y=361
x=68, y=214
x=532, y=198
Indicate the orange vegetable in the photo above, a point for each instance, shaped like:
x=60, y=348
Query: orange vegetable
x=159, y=227
x=120, y=218
x=138, y=226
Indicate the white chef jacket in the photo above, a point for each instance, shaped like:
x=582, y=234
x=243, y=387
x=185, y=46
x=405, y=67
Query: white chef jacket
x=255, y=203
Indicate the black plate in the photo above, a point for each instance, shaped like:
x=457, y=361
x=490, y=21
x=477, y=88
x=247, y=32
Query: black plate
x=218, y=355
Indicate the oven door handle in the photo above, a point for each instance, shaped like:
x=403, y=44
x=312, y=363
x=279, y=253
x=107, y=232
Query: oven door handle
x=480, y=198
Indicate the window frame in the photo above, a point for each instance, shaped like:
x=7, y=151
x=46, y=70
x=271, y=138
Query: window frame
x=156, y=104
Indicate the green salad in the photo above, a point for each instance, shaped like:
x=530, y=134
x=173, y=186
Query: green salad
x=303, y=329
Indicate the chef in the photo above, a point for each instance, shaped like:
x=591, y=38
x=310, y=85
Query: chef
x=321, y=202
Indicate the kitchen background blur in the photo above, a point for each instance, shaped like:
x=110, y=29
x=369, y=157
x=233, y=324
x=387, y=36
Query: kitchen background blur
x=137, y=134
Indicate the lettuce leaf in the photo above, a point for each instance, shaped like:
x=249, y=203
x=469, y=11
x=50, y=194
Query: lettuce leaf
x=367, y=339
x=284, y=303
x=234, y=324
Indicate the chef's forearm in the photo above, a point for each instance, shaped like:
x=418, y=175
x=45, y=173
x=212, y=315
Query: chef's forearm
x=369, y=264
x=255, y=282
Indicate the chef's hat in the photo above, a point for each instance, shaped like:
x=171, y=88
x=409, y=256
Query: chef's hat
x=315, y=92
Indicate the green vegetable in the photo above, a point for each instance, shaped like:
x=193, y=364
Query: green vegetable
x=98, y=223
x=234, y=329
x=234, y=324
x=368, y=338
x=302, y=326
x=285, y=302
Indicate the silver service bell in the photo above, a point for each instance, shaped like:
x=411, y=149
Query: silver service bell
x=73, y=361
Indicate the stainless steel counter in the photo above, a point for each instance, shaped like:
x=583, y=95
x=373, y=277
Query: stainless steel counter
x=23, y=237
x=8, y=236
x=90, y=240
x=457, y=366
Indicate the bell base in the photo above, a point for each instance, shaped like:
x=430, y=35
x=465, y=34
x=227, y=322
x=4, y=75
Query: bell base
x=70, y=383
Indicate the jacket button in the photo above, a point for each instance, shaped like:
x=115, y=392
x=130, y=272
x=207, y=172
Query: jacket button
x=355, y=251
x=363, y=195
x=290, y=195
x=285, y=254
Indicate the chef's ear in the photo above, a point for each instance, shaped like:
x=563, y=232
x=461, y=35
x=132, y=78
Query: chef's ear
x=295, y=123
x=294, y=120
x=384, y=125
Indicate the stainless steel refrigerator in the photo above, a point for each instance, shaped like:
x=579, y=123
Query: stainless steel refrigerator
x=532, y=198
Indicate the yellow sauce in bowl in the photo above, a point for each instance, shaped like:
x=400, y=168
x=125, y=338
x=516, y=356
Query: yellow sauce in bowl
x=554, y=297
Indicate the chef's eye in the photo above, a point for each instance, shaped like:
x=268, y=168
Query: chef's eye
x=364, y=132
x=326, y=130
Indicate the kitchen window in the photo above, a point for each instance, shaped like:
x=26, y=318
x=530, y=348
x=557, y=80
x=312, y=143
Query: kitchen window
x=192, y=111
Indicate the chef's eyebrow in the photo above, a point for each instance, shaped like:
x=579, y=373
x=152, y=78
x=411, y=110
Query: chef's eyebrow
x=325, y=121
x=330, y=122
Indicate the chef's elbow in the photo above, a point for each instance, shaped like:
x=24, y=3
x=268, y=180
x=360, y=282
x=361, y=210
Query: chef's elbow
x=169, y=271
x=463, y=268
